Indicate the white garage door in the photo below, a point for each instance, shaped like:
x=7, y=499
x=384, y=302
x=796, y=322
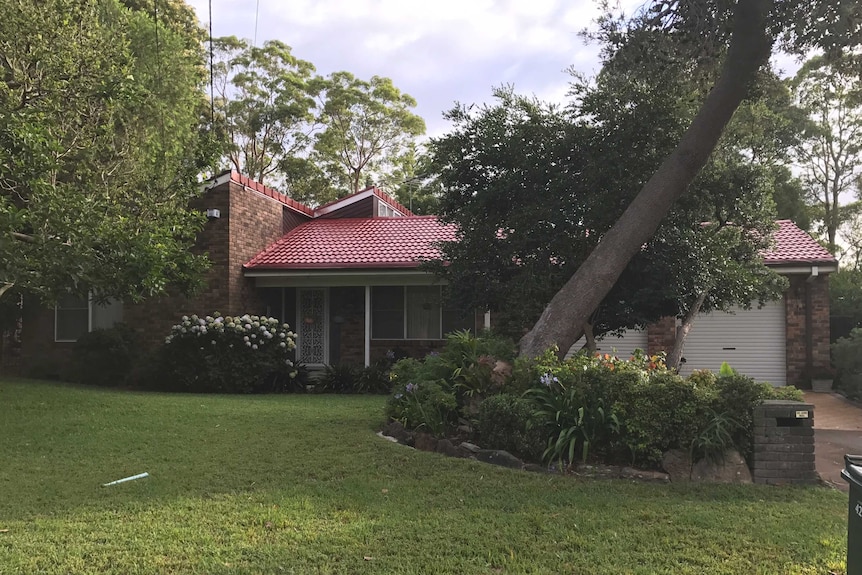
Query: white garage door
x=622, y=346
x=751, y=341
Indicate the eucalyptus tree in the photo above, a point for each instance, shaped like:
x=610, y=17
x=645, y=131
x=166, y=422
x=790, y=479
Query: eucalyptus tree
x=735, y=37
x=830, y=156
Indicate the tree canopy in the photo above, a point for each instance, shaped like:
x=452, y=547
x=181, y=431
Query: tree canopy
x=318, y=138
x=533, y=188
x=100, y=148
x=727, y=43
x=830, y=155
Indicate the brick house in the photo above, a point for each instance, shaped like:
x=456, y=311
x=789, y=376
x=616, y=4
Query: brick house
x=782, y=342
x=328, y=272
x=346, y=277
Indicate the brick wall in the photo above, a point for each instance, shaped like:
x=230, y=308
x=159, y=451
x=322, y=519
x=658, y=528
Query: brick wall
x=807, y=310
x=249, y=222
x=661, y=335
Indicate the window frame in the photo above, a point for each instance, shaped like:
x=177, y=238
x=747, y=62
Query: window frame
x=57, y=320
x=90, y=306
x=405, y=314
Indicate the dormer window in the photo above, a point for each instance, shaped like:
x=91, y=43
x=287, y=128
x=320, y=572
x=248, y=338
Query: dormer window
x=384, y=210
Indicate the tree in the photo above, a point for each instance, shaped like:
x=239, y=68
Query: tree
x=831, y=154
x=739, y=34
x=100, y=149
x=266, y=99
x=368, y=128
x=525, y=217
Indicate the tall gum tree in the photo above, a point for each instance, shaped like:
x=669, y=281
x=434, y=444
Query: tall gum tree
x=830, y=156
x=748, y=29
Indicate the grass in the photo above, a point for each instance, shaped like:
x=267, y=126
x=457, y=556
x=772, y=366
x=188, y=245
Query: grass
x=300, y=484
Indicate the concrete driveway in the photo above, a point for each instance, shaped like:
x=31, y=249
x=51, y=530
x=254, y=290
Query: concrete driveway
x=837, y=430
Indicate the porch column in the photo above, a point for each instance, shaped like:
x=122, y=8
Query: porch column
x=367, y=326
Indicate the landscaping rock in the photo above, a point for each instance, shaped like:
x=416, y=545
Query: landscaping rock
x=677, y=464
x=445, y=447
x=396, y=431
x=425, y=442
x=499, y=457
x=732, y=469
x=641, y=475
x=596, y=471
x=470, y=447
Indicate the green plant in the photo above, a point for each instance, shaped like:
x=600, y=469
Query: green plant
x=104, y=357
x=715, y=438
x=232, y=354
x=340, y=378
x=572, y=423
x=847, y=358
x=427, y=406
x=375, y=378
x=505, y=422
x=725, y=370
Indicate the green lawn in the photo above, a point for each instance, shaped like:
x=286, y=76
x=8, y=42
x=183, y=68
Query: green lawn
x=300, y=484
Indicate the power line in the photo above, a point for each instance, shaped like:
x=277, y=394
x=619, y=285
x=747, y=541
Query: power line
x=212, y=74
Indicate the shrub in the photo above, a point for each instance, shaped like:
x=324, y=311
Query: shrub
x=847, y=357
x=375, y=378
x=241, y=354
x=428, y=406
x=104, y=357
x=341, y=378
x=505, y=422
x=737, y=395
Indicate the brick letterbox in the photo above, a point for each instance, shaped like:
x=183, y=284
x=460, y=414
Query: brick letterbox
x=784, y=443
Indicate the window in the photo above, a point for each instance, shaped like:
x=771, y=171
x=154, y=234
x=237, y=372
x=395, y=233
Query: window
x=413, y=312
x=74, y=316
x=387, y=312
x=387, y=211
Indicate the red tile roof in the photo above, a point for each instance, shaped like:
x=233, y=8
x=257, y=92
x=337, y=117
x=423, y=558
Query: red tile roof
x=356, y=243
x=267, y=191
x=795, y=246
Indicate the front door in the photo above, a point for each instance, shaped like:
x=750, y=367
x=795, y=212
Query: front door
x=311, y=326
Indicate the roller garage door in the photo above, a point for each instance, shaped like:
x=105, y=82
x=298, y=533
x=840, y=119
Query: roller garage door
x=751, y=341
x=622, y=346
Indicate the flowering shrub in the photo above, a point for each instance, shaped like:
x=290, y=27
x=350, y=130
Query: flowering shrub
x=242, y=354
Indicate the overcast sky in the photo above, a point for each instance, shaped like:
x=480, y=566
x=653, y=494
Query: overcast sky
x=439, y=51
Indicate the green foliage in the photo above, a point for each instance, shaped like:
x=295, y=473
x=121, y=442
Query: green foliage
x=505, y=422
x=427, y=406
x=715, y=439
x=215, y=354
x=265, y=99
x=375, y=378
x=368, y=128
x=646, y=409
x=341, y=378
x=463, y=372
x=105, y=357
x=572, y=422
x=847, y=358
x=101, y=144
x=845, y=295
x=725, y=370
x=507, y=166
x=828, y=89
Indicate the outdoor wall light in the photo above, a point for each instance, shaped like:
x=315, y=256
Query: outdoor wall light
x=213, y=214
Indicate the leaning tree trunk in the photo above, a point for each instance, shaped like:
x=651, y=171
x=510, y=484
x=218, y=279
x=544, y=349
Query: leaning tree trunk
x=682, y=332
x=590, y=337
x=561, y=322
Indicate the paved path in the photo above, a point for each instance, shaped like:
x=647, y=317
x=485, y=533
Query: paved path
x=837, y=430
